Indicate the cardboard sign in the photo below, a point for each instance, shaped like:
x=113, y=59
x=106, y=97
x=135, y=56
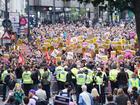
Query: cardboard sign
x=60, y=100
x=70, y=55
x=55, y=53
x=113, y=54
x=85, y=44
x=120, y=58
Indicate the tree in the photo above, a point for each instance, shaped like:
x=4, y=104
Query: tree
x=133, y=5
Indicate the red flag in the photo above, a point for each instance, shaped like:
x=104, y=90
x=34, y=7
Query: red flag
x=68, y=40
x=21, y=59
x=48, y=58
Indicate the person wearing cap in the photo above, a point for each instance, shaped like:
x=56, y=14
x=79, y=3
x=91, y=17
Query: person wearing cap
x=63, y=77
x=89, y=79
x=134, y=82
x=74, y=72
x=32, y=97
x=27, y=80
x=58, y=69
x=100, y=79
x=80, y=80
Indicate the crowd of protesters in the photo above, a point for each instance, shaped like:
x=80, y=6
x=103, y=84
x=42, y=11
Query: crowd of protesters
x=31, y=76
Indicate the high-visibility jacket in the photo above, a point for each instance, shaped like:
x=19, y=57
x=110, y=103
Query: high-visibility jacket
x=130, y=73
x=63, y=76
x=99, y=80
x=41, y=72
x=80, y=79
x=139, y=73
x=50, y=75
x=134, y=82
x=113, y=75
x=74, y=71
x=57, y=71
x=3, y=75
x=89, y=77
x=26, y=77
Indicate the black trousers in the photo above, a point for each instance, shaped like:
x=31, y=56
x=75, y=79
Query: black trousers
x=4, y=91
x=113, y=85
x=46, y=87
x=27, y=88
x=89, y=87
x=78, y=91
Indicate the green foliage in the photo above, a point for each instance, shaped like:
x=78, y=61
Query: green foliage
x=74, y=14
x=119, y=4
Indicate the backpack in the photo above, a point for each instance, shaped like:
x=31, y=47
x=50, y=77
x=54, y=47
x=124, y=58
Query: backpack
x=38, y=102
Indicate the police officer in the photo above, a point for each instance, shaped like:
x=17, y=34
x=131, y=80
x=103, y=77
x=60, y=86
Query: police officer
x=134, y=82
x=100, y=83
x=112, y=76
x=58, y=69
x=3, y=75
x=27, y=80
x=89, y=79
x=46, y=81
x=80, y=80
x=130, y=73
x=74, y=72
x=63, y=77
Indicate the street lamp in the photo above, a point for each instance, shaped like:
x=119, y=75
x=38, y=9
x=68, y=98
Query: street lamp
x=53, y=20
x=28, y=12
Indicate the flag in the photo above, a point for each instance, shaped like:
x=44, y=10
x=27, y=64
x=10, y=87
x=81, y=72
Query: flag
x=47, y=56
x=21, y=59
x=68, y=40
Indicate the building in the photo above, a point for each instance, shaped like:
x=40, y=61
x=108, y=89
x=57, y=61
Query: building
x=17, y=6
x=44, y=9
x=2, y=8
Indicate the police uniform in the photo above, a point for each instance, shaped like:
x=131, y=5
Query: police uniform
x=112, y=77
x=89, y=80
x=74, y=72
x=139, y=73
x=27, y=81
x=57, y=73
x=134, y=82
x=80, y=80
x=100, y=84
x=3, y=75
x=130, y=73
x=63, y=78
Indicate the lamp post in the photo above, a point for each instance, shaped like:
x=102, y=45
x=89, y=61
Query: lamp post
x=6, y=13
x=53, y=20
x=28, y=12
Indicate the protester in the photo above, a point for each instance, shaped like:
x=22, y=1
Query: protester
x=85, y=98
x=110, y=100
x=41, y=94
x=26, y=101
x=32, y=97
x=10, y=101
x=60, y=53
x=18, y=93
x=121, y=98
